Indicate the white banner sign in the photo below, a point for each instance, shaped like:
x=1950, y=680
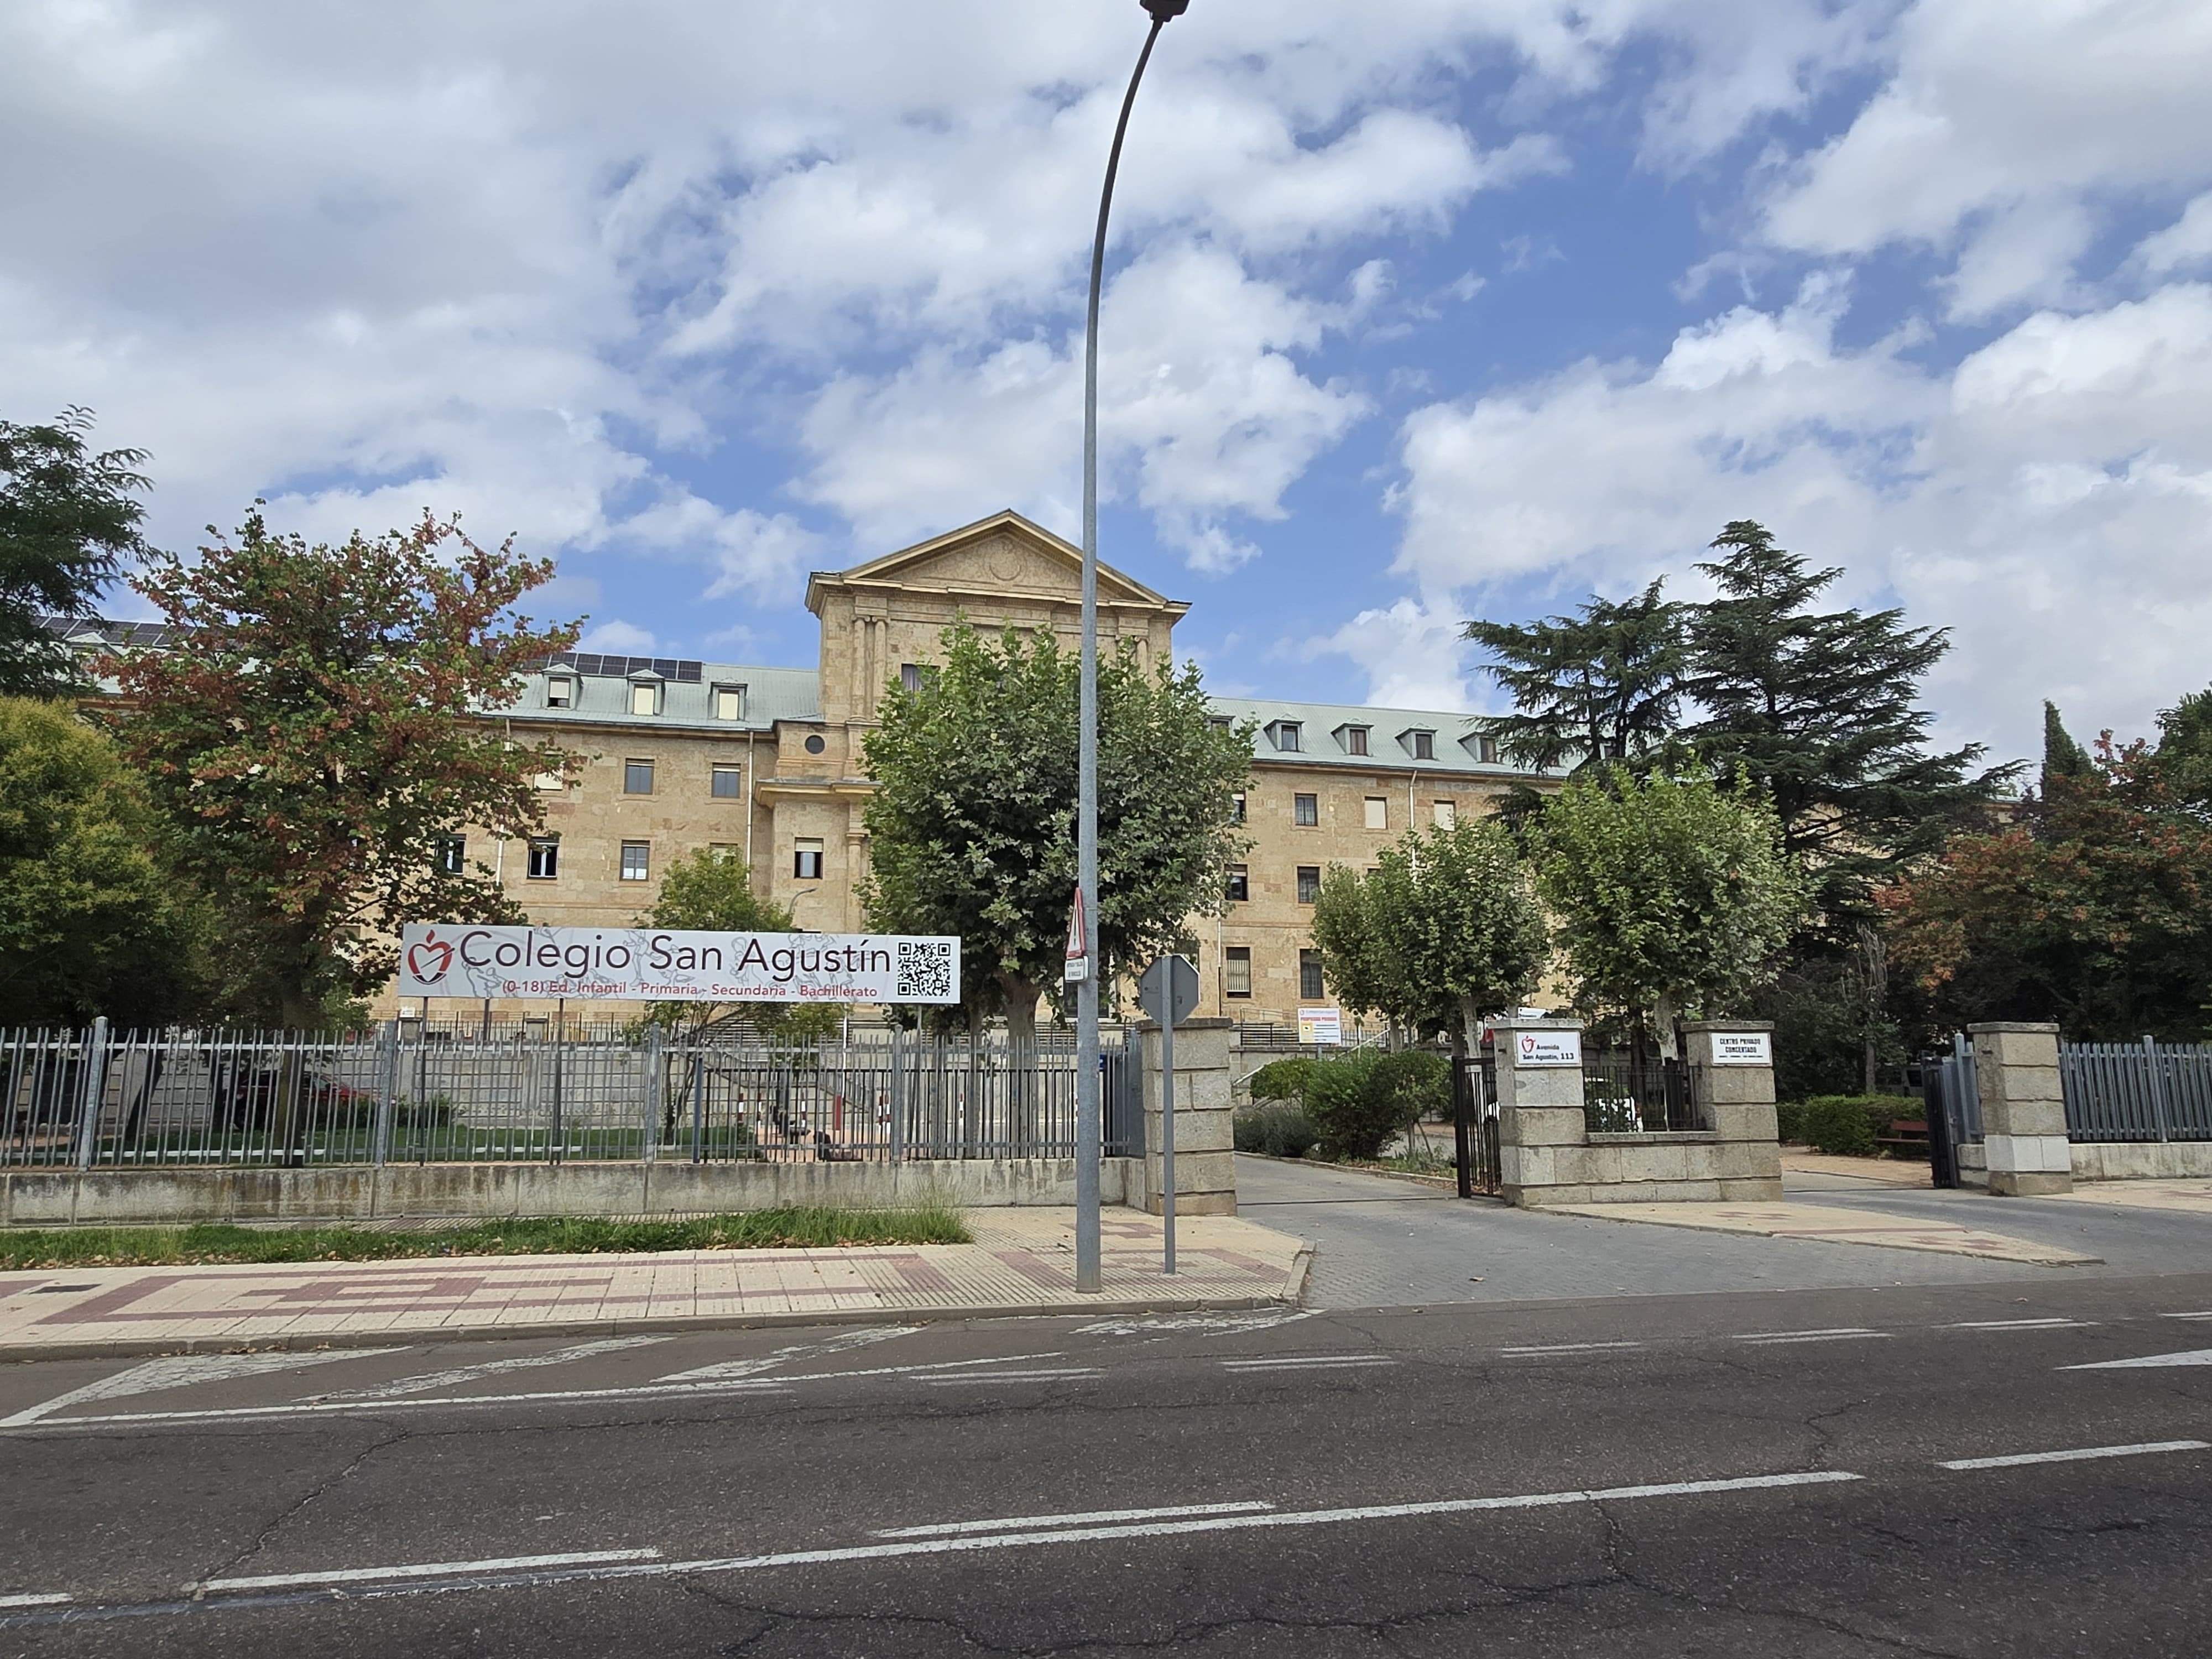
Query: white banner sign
x=1323, y=1026
x=1743, y=1049
x=645, y=965
x=1532, y=1049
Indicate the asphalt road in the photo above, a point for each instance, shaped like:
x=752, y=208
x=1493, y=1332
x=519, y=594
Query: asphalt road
x=1739, y=1473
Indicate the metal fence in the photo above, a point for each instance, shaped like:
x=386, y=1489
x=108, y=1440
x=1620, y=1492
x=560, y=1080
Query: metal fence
x=1626, y=1094
x=2146, y=1091
x=99, y=1099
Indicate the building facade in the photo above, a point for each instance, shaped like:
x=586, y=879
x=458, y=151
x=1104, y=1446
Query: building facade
x=764, y=763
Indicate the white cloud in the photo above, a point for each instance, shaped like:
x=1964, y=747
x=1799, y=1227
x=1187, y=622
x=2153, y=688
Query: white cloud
x=1411, y=652
x=2046, y=500
x=2186, y=242
x=618, y=638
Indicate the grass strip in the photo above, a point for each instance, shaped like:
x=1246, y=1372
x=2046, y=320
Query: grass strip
x=817, y=1226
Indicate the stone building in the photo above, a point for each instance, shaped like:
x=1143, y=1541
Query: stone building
x=764, y=763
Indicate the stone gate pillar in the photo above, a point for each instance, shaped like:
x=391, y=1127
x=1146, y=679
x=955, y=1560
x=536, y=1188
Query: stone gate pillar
x=1206, y=1156
x=1539, y=1109
x=2023, y=1111
x=1732, y=1069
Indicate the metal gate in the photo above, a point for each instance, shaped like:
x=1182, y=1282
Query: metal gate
x=1953, y=1100
x=1474, y=1118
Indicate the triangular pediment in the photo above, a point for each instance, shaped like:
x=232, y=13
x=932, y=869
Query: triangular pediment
x=1004, y=553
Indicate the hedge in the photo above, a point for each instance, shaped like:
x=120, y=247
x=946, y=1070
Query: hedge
x=1277, y=1129
x=1849, y=1125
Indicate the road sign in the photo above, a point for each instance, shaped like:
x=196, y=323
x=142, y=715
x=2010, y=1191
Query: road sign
x=1078, y=945
x=1168, y=990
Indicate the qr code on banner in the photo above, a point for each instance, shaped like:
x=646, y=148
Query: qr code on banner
x=925, y=969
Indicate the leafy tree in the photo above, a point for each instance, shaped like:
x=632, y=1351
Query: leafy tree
x=1818, y=710
x=90, y=923
x=1443, y=932
x=2094, y=909
x=972, y=826
x=1671, y=896
x=2062, y=757
x=67, y=522
x=314, y=730
x=710, y=891
x=1599, y=688
x=2185, y=749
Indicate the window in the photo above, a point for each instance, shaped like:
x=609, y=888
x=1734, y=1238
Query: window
x=910, y=676
x=1486, y=750
x=1447, y=814
x=1425, y=744
x=723, y=851
x=806, y=861
x=560, y=692
x=1309, y=883
x=1310, y=989
x=729, y=703
x=726, y=782
x=1240, y=883
x=1305, y=811
x=1286, y=736
x=637, y=860
x=1221, y=722
x=644, y=696
x=1378, y=812
x=1237, y=807
x=450, y=855
x=1355, y=739
x=814, y=745
x=552, y=780
x=1236, y=971
x=544, y=857
x=637, y=777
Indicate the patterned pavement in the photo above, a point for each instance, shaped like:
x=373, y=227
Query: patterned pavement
x=1023, y=1262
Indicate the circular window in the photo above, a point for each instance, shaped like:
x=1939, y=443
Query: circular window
x=815, y=745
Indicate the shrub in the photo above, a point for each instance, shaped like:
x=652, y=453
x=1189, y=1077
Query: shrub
x=1358, y=1103
x=1278, y=1130
x=1848, y=1124
x=1281, y=1079
x=1789, y=1122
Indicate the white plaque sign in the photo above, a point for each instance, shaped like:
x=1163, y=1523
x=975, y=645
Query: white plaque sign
x=649, y=964
x=1743, y=1047
x=1532, y=1049
x=1321, y=1026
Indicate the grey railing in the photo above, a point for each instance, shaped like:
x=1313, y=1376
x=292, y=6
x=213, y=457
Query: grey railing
x=2146, y=1091
x=99, y=1099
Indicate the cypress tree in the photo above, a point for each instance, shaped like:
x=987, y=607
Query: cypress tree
x=2062, y=757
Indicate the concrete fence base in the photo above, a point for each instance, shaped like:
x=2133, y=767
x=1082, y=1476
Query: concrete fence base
x=64, y=1198
x=2139, y=1160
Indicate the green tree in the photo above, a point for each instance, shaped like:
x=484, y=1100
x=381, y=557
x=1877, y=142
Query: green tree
x=1670, y=896
x=2185, y=749
x=971, y=829
x=67, y=522
x=1443, y=932
x=2062, y=757
x=90, y=923
x=1598, y=689
x=313, y=732
x=1818, y=710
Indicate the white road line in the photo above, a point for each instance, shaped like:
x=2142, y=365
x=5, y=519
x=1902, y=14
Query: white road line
x=1566, y=1347
x=2080, y=1455
x=765, y=1385
x=918, y=1546
x=859, y=1338
x=1014, y=1522
x=2205, y=1314
x=1308, y=1362
x=2147, y=1362
x=2019, y=1324
x=183, y=1371
x=425, y=1570
x=1060, y=1374
x=33, y=1600
x=1774, y=1338
x=430, y=1380
x=1201, y=1321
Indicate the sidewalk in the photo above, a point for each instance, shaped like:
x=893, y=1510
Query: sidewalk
x=1023, y=1262
x=1833, y=1225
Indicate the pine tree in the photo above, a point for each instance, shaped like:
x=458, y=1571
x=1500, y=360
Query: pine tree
x=1818, y=710
x=2062, y=757
x=1599, y=688
x=67, y=522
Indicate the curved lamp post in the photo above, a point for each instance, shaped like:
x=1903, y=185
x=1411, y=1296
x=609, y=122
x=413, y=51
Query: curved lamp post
x=1087, y=1138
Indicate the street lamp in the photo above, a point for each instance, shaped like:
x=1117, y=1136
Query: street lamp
x=1087, y=1147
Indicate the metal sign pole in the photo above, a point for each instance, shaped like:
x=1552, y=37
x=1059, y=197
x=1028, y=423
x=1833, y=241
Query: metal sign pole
x=1167, y=1140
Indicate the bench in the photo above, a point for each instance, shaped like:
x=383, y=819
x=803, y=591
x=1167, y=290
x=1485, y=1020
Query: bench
x=1907, y=1137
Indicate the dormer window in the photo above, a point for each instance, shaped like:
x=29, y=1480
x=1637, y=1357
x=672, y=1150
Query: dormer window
x=647, y=693
x=729, y=703
x=1421, y=745
x=560, y=692
x=1285, y=736
x=1354, y=737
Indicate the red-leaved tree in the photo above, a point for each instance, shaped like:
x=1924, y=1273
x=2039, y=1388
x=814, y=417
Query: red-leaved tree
x=314, y=730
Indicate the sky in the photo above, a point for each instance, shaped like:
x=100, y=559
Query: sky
x=1416, y=310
